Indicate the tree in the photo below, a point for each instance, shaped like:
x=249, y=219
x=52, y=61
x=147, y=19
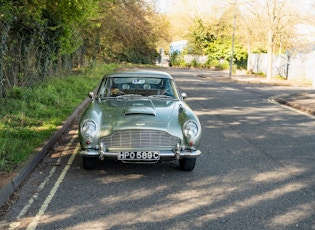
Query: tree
x=275, y=24
x=199, y=37
x=268, y=26
x=36, y=36
x=126, y=32
x=41, y=38
x=214, y=38
x=6, y=20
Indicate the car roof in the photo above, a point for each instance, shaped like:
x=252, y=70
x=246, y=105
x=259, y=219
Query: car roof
x=140, y=73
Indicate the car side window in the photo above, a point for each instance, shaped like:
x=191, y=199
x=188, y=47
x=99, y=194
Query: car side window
x=102, y=88
x=106, y=88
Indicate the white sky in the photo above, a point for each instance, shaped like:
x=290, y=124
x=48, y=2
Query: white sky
x=165, y=5
x=162, y=5
x=306, y=6
x=202, y=5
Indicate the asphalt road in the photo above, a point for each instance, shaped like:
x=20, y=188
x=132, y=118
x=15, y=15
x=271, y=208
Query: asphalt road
x=257, y=171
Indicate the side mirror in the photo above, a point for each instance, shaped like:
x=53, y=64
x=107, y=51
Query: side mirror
x=184, y=95
x=91, y=95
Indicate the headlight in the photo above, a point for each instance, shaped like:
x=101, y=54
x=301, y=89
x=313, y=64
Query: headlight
x=88, y=129
x=191, y=129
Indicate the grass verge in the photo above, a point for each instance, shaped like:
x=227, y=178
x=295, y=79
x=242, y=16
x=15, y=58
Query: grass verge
x=28, y=116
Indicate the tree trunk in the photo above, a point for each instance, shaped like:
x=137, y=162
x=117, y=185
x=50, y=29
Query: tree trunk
x=270, y=54
x=4, y=28
x=249, y=56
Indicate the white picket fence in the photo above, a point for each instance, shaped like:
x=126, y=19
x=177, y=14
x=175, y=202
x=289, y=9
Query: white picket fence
x=299, y=67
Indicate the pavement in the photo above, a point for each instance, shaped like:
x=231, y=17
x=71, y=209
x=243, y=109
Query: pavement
x=304, y=102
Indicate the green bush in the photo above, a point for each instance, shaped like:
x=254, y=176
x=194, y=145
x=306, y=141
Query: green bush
x=223, y=64
x=211, y=63
x=194, y=63
x=28, y=116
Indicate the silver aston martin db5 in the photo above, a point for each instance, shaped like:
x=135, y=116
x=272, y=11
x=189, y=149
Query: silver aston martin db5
x=139, y=116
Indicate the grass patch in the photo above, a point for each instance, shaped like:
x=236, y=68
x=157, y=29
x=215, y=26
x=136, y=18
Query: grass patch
x=28, y=116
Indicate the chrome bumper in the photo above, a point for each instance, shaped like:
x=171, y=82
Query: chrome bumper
x=163, y=154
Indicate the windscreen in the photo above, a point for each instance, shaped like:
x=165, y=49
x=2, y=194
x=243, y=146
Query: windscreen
x=117, y=86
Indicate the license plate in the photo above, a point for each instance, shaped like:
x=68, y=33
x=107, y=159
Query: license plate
x=141, y=156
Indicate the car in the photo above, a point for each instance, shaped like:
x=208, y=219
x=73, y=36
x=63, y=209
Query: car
x=139, y=116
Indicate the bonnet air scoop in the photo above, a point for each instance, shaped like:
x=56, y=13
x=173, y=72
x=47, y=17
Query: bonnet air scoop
x=144, y=107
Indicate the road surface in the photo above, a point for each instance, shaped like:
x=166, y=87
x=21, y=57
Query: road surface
x=257, y=171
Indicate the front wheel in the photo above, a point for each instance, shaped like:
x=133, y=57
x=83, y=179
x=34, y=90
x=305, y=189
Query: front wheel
x=187, y=164
x=89, y=163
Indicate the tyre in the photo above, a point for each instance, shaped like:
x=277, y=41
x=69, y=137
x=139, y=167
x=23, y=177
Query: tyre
x=187, y=164
x=89, y=163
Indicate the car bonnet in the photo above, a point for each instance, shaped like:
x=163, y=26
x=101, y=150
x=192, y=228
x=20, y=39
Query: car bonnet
x=140, y=113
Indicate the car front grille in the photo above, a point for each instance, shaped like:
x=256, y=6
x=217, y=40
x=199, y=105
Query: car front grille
x=140, y=139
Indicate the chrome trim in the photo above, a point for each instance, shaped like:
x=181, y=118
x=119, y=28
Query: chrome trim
x=163, y=154
x=139, y=139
